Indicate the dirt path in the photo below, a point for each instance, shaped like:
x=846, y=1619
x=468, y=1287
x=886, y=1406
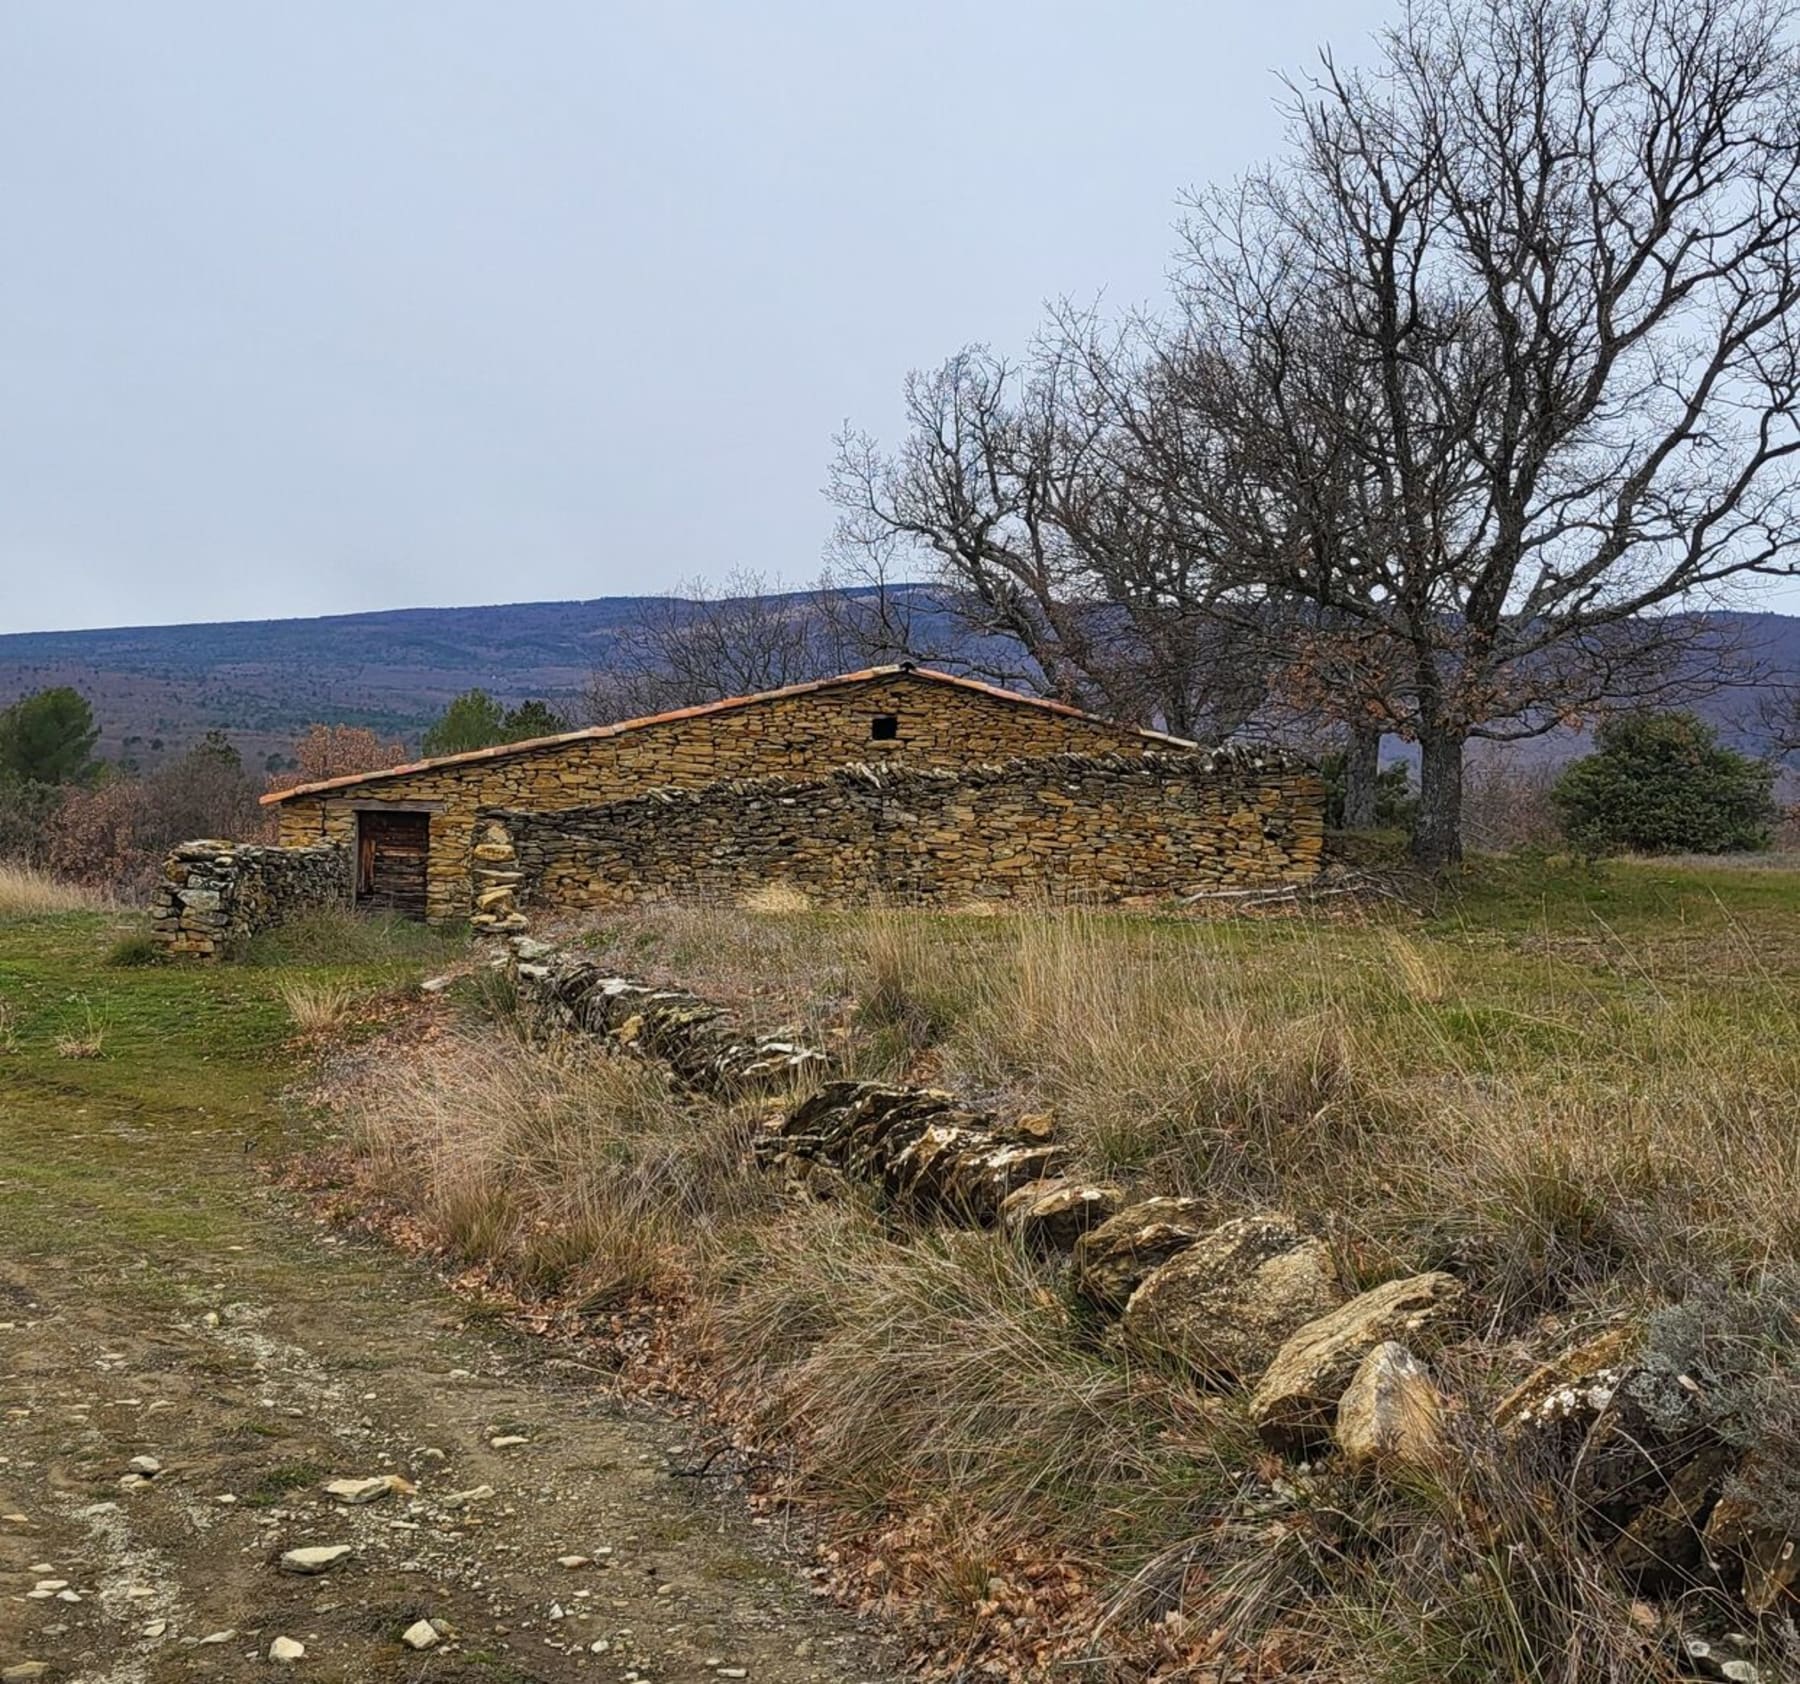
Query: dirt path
x=157, y=1300
x=589, y=1559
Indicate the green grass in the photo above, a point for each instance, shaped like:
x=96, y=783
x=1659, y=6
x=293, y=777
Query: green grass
x=143, y=1145
x=282, y=1481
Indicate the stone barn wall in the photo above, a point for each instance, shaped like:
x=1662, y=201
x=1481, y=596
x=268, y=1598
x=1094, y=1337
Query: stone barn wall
x=215, y=895
x=801, y=733
x=1121, y=828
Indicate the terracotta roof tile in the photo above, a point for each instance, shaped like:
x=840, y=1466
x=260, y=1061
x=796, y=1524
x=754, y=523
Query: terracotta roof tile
x=594, y=733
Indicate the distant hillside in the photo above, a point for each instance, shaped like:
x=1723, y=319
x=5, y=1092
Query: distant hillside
x=156, y=689
x=264, y=681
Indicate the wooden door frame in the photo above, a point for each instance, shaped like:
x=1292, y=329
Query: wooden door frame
x=362, y=886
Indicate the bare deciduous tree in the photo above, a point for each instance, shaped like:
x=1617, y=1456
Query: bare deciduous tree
x=1025, y=487
x=706, y=642
x=1528, y=287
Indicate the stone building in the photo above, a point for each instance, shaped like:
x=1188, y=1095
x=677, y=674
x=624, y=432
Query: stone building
x=430, y=839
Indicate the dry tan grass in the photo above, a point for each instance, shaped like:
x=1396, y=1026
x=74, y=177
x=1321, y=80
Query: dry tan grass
x=87, y=1041
x=1547, y=1127
x=27, y=892
x=318, y=1008
x=570, y=1171
x=774, y=900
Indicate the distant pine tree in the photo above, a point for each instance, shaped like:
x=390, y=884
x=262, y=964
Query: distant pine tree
x=48, y=738
x=472, y=720
x=533, y=719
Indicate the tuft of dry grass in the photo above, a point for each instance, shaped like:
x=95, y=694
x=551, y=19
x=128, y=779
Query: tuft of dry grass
x=774, y=900
x=944, y=1367
x=317, y=1008
x=87, y=1041
x=27, y=892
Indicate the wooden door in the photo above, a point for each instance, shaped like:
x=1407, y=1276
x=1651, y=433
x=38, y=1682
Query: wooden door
x=391, y=850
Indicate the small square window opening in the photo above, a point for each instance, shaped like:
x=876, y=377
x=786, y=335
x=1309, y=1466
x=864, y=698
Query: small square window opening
x=884, y=727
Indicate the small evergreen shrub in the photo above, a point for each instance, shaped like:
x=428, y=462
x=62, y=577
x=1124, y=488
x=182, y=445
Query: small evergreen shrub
x=1396, y=801
x=1659, y=783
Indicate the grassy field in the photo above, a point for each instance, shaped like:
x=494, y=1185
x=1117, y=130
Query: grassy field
x=161, y=1294
x=109, y=1070
x=1577, y=1089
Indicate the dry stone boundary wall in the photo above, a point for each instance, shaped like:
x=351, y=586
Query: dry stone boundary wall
x=216, y=895
x=1254, y=1305
x=1096, y=827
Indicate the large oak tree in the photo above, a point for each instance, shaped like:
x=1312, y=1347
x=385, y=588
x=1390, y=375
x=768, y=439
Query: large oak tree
x=1530, y=284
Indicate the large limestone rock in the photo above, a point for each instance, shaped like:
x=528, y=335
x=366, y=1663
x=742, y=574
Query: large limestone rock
x=1632, y=1442
x=1111, y=1259
x=1390, y=1415
x=980, y=1180
x=921, y=1171
x=1050, y=1216
x=1296, y=1399
x=1572, y=1387
x=1226, y=1304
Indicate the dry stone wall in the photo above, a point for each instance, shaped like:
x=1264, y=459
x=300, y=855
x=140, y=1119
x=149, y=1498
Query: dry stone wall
x=215, y=895
x=1094, y=827
x=1655, y=1481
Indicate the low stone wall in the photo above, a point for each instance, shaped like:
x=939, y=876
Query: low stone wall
x=215, y=895
x=1119, y=828
x=1633, y=1452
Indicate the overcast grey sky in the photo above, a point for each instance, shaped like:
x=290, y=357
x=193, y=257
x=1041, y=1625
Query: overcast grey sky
x=380, y=303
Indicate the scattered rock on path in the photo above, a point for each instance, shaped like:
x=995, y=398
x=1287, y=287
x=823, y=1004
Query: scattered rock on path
x=23, y=1671
x=421, y=1634
x=314, y=1558
x=148, y=1466
x=285, y=1650
x=462, y=1499
x=359, y=1491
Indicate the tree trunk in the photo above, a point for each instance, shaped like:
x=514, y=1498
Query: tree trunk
x=1362, y=764
x=1437, y=831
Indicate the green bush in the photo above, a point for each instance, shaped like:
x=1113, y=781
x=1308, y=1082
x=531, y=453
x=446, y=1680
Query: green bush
x=1659, y=783
x=1396, y=801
